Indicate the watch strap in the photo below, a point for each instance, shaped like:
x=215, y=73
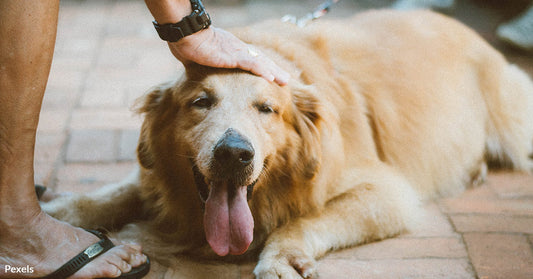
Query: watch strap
x=198, y=20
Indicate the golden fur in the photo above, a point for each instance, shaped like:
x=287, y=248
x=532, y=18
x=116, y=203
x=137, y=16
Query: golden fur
x=383, y=111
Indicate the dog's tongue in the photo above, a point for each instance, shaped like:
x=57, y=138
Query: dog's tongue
x=228, y=221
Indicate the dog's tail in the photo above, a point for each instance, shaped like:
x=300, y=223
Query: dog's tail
x=508, y=93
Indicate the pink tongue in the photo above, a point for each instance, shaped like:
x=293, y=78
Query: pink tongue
x=228, y=224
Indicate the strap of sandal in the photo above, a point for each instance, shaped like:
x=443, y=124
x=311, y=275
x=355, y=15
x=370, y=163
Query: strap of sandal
x=83, y=258
x=39, y=190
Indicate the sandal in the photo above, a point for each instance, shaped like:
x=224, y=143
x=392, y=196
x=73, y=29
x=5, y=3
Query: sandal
x=90, y=254
x=39, y=190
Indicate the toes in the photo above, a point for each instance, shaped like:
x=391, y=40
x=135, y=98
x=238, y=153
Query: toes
x=306, y=267
x=131, y=254
x=116, y=257
x=118, y=260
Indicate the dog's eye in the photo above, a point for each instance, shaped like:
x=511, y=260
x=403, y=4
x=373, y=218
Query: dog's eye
x=265, y=108
x=202, y=102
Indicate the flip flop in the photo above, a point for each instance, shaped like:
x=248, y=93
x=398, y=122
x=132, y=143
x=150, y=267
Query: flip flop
x=90, y=254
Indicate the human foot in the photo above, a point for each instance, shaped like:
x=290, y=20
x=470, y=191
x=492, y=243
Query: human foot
x=40, y=246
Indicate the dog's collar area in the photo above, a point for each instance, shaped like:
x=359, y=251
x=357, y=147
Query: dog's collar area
x=203, y=188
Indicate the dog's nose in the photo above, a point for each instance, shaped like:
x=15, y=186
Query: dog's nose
x=233, y=152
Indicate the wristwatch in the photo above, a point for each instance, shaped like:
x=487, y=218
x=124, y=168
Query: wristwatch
x=198, y=20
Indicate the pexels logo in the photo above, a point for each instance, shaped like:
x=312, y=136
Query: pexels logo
x=18, y=269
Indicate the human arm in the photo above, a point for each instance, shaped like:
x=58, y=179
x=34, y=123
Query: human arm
x=213, y=46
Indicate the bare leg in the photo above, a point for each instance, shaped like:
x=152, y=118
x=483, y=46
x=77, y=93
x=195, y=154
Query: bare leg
x=27, y=235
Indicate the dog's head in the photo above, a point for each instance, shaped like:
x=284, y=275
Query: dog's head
x=229, y=127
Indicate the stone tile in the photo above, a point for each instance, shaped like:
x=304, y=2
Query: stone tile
x=90, y=174
x=80, y=47
x=78, y=188
x=91, y=146
x=246, y=270
x=105, y=119
x=43, y=173
x=481, y=192
x=54, y=121
x=120, y=52
x=100, y=98
x=183, y=268
x=391, y=269
x=505, y=207
x=500, y=255
x=405, y=248
x=127, y=149
x=123, y=78
x=66, y=79
x=511, y=185
x=48, y=147
x=72, y=62
x=59, y=98
x=492, y=223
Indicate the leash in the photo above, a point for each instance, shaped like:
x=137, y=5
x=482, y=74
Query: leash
x=320, y=11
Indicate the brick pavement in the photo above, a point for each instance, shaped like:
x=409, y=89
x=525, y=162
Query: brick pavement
x=107, y=55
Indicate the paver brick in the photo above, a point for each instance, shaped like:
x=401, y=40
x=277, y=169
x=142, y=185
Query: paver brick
x=91, y=146
x=112, y=97
x=128, y=145
x=86, y=173
x=392, y=269
x=53, y=121
x=405, y=248
x=503, y=207
x=504, y=256
x=104, y=119
x=511, y=185
x=493, y=223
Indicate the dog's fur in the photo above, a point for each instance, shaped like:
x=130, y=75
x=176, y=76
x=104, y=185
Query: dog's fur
x=383, y=111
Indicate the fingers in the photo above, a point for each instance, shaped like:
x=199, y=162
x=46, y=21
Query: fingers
x=259, y=64
x=218, y=48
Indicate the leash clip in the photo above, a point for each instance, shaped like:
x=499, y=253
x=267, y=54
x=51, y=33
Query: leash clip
x=317, y=13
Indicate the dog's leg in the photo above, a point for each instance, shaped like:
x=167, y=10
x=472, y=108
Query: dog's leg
x=109, y=207
x=382, y=206
x=508, y=93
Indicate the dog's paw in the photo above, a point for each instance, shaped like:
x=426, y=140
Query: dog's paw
x=290, y=265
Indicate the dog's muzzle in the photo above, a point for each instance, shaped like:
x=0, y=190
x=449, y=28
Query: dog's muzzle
x=232, y=161
x=233, y=156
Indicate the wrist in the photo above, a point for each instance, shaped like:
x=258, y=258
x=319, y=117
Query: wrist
x=196, y=21
x=169, y=11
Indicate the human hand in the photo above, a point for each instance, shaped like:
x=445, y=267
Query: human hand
x=218, y=48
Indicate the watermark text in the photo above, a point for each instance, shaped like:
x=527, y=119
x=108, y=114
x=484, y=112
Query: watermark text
x=18, y=269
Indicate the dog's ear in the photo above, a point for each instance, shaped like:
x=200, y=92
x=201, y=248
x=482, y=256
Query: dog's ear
x=306, y=121
x=153, y=107
x=144, y=152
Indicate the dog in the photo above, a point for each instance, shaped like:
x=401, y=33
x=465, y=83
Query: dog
x=384, y=111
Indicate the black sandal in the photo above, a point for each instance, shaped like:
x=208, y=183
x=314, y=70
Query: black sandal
x=39, y=190
x=90, y=254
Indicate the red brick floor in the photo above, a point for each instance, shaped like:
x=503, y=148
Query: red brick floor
x=107, y=55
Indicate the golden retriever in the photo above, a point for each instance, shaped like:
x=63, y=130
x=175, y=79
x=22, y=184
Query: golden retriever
x=384, y=110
